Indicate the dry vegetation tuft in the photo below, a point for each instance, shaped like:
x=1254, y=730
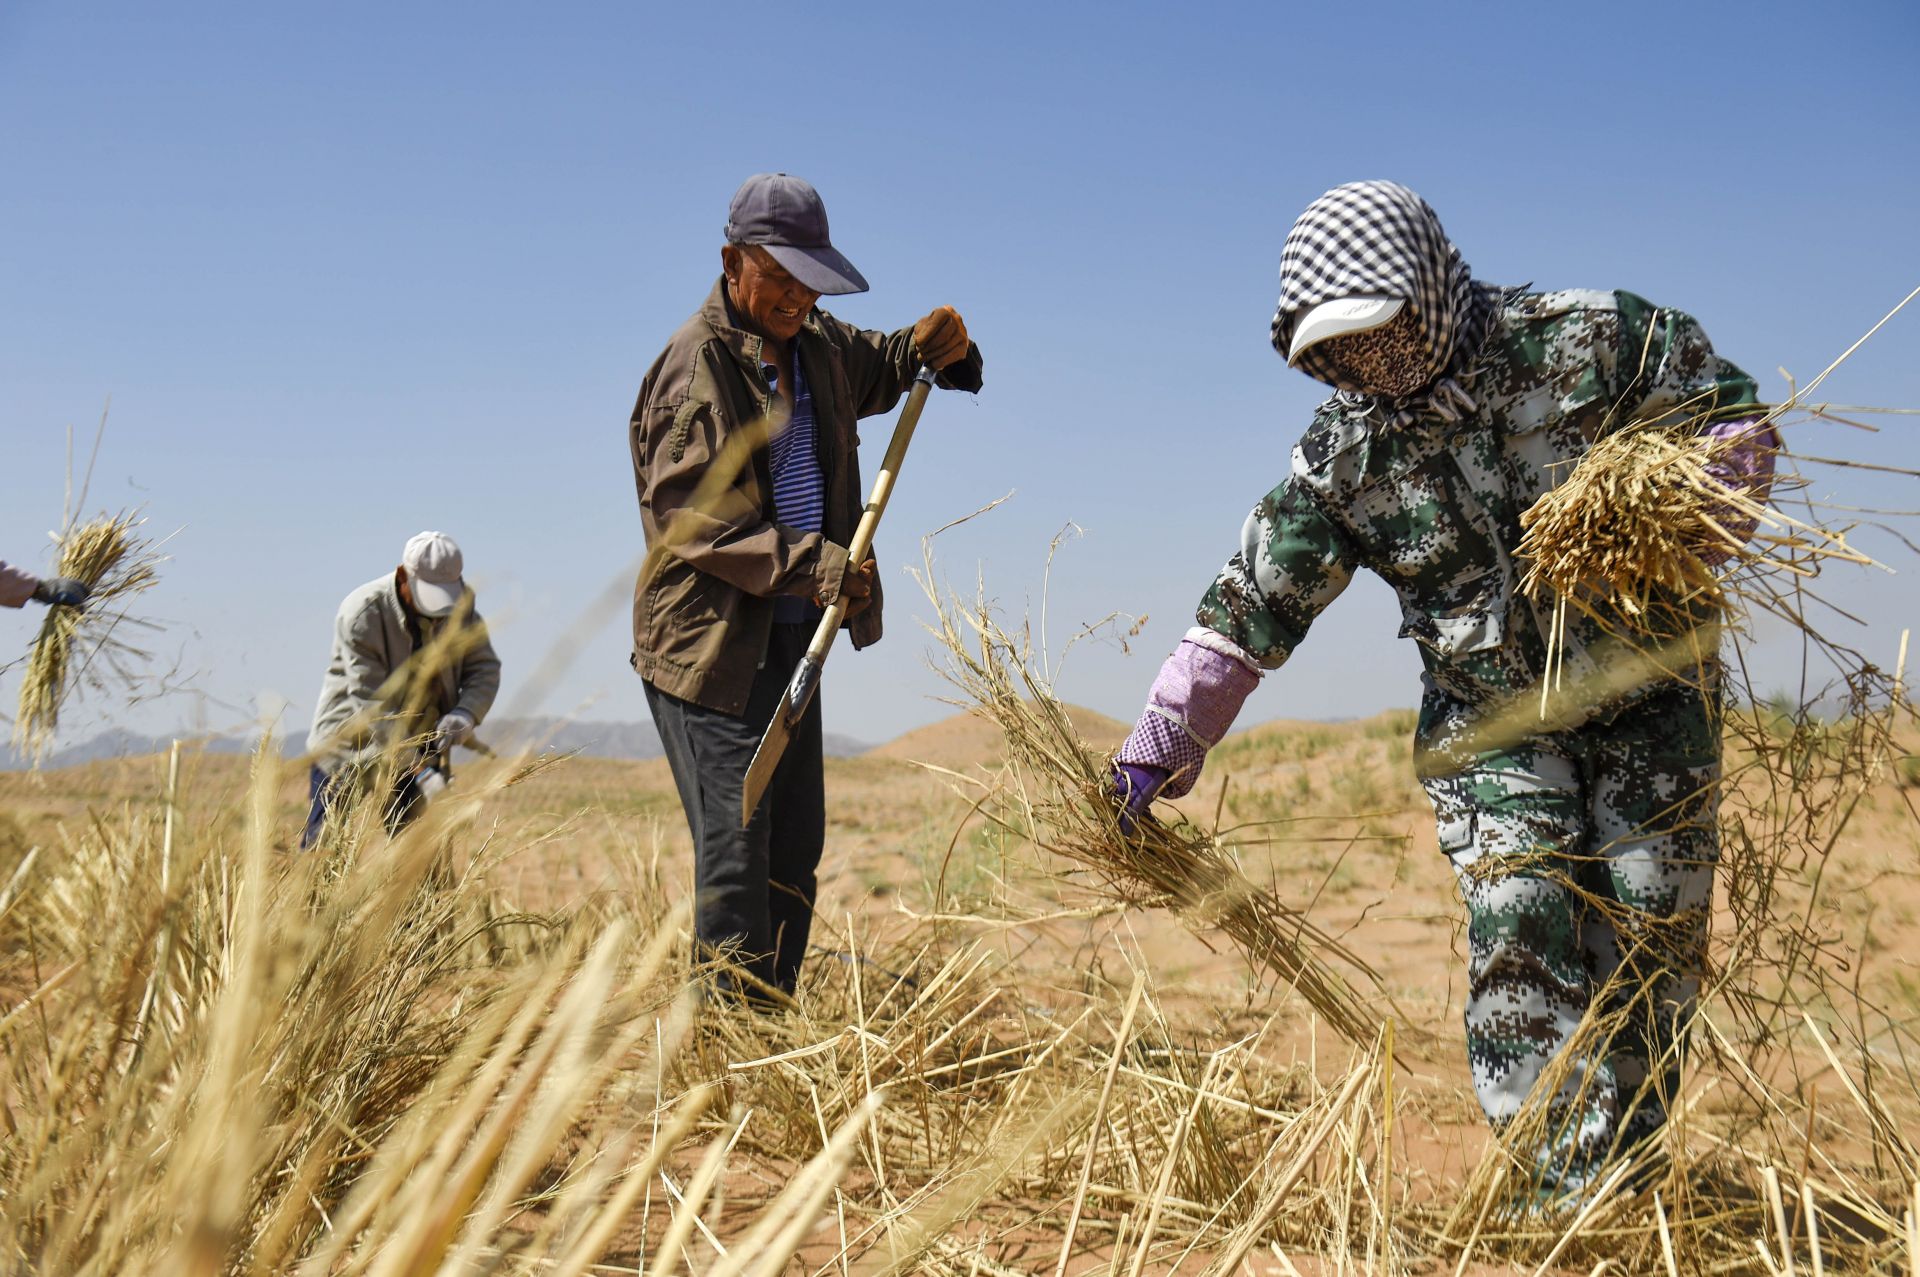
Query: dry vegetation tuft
x=1050, y=793
x=376, y=1060
x=83, y=644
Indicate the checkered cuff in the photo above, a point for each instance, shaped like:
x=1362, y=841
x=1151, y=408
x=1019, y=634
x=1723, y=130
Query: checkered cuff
x=1157, y=742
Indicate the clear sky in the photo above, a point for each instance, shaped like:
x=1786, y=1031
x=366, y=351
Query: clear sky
x=349, y=271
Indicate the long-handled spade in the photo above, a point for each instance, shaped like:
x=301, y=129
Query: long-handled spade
x=806, y=677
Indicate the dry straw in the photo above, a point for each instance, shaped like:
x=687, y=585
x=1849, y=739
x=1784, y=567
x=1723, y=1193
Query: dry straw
x=234, y=1061
x=1643, y=538
x=230, y=1060
x=84, y=644
x=1053, y=791
x=220, y=1059
x=1639, y=519
x=350, y=1063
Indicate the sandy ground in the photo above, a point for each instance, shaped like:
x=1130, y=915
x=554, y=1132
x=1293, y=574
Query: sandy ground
x=1329, y=813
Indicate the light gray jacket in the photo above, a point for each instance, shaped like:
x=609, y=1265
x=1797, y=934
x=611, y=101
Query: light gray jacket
x=363, y=706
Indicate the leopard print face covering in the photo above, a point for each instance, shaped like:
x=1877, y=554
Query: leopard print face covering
x=1391, y=360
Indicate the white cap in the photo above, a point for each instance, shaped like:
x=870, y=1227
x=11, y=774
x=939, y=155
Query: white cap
x=1339, y=317
x=433, y=565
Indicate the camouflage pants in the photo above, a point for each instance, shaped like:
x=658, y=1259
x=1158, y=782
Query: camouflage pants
x=1585, y=860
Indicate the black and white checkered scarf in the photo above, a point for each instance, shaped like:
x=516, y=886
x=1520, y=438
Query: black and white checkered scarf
x=1379, y=239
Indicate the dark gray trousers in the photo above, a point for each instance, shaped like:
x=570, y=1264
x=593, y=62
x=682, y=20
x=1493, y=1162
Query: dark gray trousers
x=754, y=887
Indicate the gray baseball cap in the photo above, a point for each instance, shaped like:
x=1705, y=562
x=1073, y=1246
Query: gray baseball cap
x=785, y=216
x=434, y=565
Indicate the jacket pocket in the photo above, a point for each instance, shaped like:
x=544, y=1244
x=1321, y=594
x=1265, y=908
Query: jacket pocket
x=1456, y=833
x=683, y=616
x=1416, y=529
x=1450, y=632
x=1549, y=430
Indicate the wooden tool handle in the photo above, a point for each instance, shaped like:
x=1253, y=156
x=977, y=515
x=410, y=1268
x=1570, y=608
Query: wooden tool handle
x=862, y=543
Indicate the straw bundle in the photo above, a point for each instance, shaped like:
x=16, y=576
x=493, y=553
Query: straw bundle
x=1639, y=521
x=115, y=563
x=1642, y=538
x=1641, y=525
x=1054, y=792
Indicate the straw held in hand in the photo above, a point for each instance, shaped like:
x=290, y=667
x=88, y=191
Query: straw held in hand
x=101, y=566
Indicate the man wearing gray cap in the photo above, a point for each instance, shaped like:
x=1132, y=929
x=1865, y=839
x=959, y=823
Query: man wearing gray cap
x=744, y=447
x=410, y=676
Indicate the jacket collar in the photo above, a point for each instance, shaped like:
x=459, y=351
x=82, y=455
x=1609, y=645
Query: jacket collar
x=390, y=597
x=746, y=347
x=397, y=612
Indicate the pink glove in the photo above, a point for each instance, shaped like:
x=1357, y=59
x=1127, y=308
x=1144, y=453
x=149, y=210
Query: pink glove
x=1193, y=703
x=1746, y=465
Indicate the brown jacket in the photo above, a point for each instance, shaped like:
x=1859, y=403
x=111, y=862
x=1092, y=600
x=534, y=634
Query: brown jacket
x=702, y=607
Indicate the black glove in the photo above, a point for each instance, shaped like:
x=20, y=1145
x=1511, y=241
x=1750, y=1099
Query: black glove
x=62, y=591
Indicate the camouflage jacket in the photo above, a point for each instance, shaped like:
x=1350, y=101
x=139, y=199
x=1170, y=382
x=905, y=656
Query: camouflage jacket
x=1435, y=508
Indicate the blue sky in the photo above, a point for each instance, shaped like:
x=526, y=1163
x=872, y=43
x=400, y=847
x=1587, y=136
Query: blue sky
x=351, y=271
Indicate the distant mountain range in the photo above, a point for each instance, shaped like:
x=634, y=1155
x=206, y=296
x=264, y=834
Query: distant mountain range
x=547, y=735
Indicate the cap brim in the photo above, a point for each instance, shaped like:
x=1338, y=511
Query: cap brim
x=825, y=270
x=432, y=599
x=1339, y=317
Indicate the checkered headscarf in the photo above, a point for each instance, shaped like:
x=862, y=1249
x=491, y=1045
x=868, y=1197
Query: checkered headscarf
x=1379, y=239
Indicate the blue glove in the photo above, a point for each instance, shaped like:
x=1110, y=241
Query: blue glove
x=1134, y=787
x=63, y=591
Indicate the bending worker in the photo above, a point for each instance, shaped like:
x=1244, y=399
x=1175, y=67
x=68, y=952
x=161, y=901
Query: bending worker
x=17, y=585
x=745, y=457
x=1584, y=850
x=411, y=674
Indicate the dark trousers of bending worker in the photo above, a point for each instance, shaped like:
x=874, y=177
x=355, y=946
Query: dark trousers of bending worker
x=327, y=791
x=754, y=887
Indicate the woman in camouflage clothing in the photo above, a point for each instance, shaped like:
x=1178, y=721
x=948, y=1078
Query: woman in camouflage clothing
x=1583, y=844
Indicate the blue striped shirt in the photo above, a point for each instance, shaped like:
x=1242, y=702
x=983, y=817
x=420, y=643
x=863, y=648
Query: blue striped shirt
x=799, y=486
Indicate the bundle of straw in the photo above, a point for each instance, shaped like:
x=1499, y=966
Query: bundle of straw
x=115, y=563
x=1054, y=792
x=1643, y=538
x=1638, y=522
x=1642, y=516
